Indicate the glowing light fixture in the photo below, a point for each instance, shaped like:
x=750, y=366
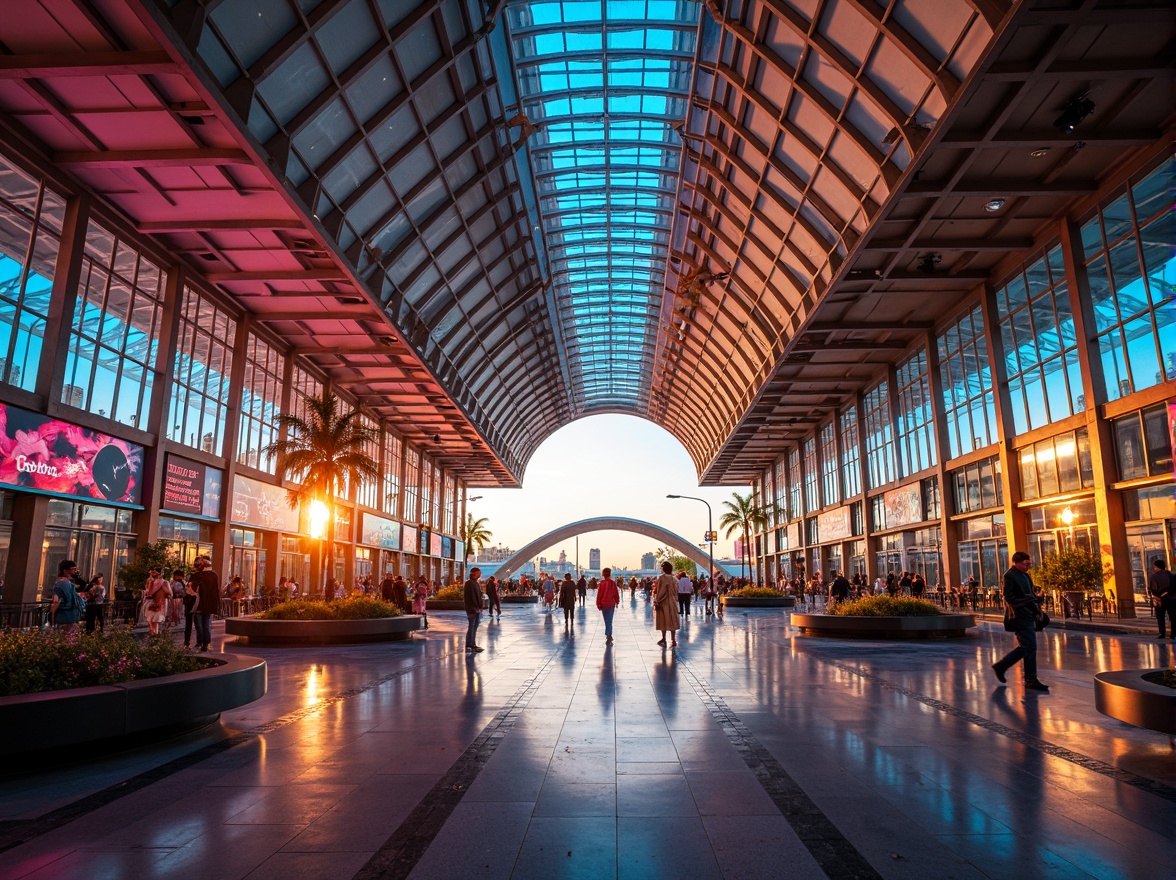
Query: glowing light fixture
x=1068, y=516
x=318, y=516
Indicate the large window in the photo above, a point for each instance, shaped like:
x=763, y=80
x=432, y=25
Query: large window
x=303, y=386
x=1040, y=348
x=261, y=402
x=368, y=493
x=1131, y=265
x=830, y=480
x=426, y=512
x=966, y=371
x=978, y=486
x=30, y=227
x=393, y=459
x=110, y=366
x=1057, y=465
x=412, y=483
x=780, y=485
x=879, y=436
x=200, y=377
x=851, y=474
x=812, y=498
x=916, y=428
x=795, y=481
x=1142, y=445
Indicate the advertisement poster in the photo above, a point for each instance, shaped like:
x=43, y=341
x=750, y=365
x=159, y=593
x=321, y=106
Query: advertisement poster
x=904, y=506
x=434, y=544
x=834, y=525
x=380, y=532
x=409, y=539
x=458, y=549
x=447, y=548
x=262, y=506
x=41, y=454
x=1172, y=430
x=792, y=536
x=191, y=487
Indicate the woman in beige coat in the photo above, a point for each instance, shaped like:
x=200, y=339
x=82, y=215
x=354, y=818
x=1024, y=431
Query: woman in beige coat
x=665, y=605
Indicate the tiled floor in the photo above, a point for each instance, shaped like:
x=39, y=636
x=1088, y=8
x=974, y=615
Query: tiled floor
x=750, y=752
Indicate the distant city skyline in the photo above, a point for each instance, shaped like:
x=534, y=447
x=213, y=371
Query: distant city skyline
x=607, y=465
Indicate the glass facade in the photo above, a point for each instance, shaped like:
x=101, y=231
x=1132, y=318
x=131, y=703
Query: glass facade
x=968, y=397
x=978, y=486
x=110, y=366
x=1055, y=466
x=1143, y=446
x=1131, y=268
x=368, y=492
x=31, y=216
x=851, y=475
x=412, y=483
x=393, y=462
x=812, y=497
x=261, y=402
x=830, y=478
x=879, y=436
x=201, y=374
x=1040, y=347
x=916, y=428
x=795, y=482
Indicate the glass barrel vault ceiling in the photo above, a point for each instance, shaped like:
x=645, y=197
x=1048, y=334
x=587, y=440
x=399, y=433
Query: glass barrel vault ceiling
x=606, y=83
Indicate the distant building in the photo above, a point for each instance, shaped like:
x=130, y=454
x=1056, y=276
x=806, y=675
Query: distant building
x=594, y=559
x=494, y=554
x=648, y=562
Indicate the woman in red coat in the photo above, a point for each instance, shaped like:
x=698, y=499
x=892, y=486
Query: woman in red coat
x=607, y=599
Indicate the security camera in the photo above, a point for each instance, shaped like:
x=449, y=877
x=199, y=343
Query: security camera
x=436, y=438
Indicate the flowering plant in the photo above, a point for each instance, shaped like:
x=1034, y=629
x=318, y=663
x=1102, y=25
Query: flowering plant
x=356, y=607
x=34, y=661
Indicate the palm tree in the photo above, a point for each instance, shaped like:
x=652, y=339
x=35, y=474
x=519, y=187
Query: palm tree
x=744, y=515
x=475, y=534
x=323, y=451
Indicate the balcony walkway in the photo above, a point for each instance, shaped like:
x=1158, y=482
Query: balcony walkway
x=749, y=752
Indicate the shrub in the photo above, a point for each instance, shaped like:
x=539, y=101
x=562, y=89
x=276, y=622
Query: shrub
x=885, y=606
x=358, y=607
x=755, y=593
x=452, y=593
x=1165, y=677
x=34, y=661
x=1072, y=568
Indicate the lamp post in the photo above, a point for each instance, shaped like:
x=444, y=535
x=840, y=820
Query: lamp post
x=710, y=545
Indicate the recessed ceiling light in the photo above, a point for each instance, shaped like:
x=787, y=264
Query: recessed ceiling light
x=1039, y=152
x=994, y=204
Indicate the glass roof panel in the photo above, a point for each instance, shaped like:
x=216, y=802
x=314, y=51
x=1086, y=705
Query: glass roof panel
x=605, y=82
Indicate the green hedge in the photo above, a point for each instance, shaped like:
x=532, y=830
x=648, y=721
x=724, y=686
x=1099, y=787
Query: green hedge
x=351, y=608
x=755, y=593
x=885, y=606
x=452, y=593
x=36, y=661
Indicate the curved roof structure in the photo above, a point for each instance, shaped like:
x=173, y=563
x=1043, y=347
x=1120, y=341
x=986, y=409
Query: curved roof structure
x=487, y=219
x=605, y=524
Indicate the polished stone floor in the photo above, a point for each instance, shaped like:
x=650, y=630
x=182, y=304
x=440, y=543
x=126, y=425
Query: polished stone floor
x=751, y=751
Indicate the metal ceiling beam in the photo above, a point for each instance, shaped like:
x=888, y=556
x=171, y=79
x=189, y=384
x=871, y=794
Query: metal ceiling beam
x=997, y=187
x=218, y=225
x=42, y=65
x=278, y=275
x=867, y=326
x=150, y=158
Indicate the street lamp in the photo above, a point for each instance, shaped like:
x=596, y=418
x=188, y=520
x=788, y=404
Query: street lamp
x=1068, y=517
x=710, y=545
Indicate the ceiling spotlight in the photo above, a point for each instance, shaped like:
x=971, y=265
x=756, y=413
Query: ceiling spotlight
x=1074, y=112
x=928, y=262
x=1039, y=152
x=993, y=205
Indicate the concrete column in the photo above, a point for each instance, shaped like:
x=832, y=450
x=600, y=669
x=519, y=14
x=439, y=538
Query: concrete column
x=63, y=300
x=220, y=531
x=22, y=580
x=1108, y=503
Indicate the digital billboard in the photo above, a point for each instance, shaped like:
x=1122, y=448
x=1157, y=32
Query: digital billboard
x=262, y=505
x=40, y=454
x=409, y=539
x=380, y=532
x=191, y=487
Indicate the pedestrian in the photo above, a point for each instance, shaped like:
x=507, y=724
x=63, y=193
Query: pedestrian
x=608, y=597
x=665, y=609
x=176, y=605
x=387, y=585
x=420, y=597
x=189, y=600
x=398, y=594
x=96, y=604
x=582, y=589
x=492, y=600
x=1022, y=608
x=548, y=594
x=473, y=609
x=708, y=594
x=839, y=589
x=205, y=586
x=156, y=598
x=567, y=600
x=1162, y=588
x=66, y=609
x=685, y=591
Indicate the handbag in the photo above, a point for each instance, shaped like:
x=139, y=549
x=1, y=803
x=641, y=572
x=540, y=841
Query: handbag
x=1010, y=618
x=1040, y=620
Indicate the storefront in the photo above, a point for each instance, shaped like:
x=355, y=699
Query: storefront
x=1143, y=451
x=380, y=537
x=410, y=561
x=259, y=517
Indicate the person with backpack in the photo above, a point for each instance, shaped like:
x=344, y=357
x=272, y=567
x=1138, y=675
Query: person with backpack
x=1162, y=588
x=68, y=607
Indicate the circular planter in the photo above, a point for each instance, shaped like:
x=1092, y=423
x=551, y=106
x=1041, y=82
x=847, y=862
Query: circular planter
x=50, y=720
x=445, y=605
x=323, y=632
x=518, y=600
x=1125, y=696
x=939, y=626
x=762, y=602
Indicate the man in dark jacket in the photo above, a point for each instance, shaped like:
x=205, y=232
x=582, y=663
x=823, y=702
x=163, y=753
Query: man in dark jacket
x=204, y=584
x=582, y=589
x=1025, y=604
x=1162, y=588
x=839, y=590
x=567, y=600
x=473, y=607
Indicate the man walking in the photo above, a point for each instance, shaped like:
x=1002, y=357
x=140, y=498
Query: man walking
x=204, y=584
x=608, y=597
x=685, y=593
x=1162, y=588
x=582, y=589
x=473, y=607
x=1023, y=604
x=839, y=589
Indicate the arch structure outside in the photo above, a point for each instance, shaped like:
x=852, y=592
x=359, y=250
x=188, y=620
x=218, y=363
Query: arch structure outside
x=601, y=524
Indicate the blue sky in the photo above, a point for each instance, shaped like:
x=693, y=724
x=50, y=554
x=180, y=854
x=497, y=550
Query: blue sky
x=609, y=465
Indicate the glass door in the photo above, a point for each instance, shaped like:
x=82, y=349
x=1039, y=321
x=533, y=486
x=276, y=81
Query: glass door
x=1145, y=542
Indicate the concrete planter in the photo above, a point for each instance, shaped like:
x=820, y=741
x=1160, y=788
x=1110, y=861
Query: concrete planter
x=445, y=605
x=322, y=632
x=1126, y=697
x=518, y=600
x=764, y=602
x=53, y=719
x=939, y=626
